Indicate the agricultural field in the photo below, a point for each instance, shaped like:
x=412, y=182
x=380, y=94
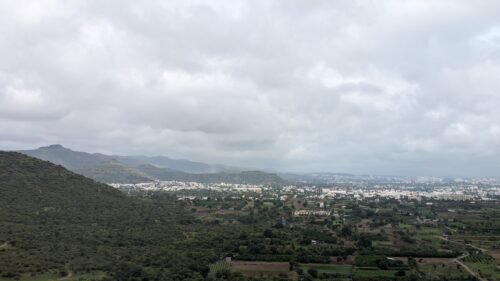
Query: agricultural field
x=484, y=265
x=337, y=269
x=260, y=267
x=226, y=237
x=449, y=271
x=220, y=266
x=366, y=240
x=257, y=269
x=266, y=242
x=375, y=272
x=496, y=255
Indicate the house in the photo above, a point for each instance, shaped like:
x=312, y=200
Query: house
x=307, y=213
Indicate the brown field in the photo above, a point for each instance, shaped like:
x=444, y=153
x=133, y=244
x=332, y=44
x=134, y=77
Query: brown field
x=260, y=269
x=495, y=254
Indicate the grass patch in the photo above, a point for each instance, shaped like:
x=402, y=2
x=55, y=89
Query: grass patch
x=373, y=272
x=341, y=269
x=484, y=265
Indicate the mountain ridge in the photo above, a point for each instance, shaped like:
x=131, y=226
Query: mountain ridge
x=136, y=169
x=72, y=159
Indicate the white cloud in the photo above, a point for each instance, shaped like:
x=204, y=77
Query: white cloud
x=357, y=86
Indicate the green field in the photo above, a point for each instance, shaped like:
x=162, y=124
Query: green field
x=329, y=268
x=405, y=226
x=483, y=264
x=449, y=271
x=373, y=272
x=220, y=266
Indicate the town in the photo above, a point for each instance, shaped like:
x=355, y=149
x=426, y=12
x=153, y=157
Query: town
x=455, y=192
x=356, y=230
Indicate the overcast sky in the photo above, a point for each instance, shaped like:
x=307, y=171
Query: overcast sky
x=380, y=87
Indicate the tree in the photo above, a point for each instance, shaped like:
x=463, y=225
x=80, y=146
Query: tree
x=346, y=231
x=364, y=242
x=400, y=273
x=313, y=272
x=268, y=233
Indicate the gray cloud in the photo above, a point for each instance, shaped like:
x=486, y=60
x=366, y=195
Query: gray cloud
x=393, y=87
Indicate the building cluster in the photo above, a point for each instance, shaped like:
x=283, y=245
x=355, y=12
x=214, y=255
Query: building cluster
x=455, y=192
x=402, y=194
x=172, y=186
x=308, y=213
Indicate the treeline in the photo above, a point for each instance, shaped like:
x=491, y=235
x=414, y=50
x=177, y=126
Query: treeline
x=415, y=251
x=285, y=258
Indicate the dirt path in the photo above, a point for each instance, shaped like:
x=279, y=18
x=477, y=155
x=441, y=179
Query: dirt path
x=463, y=265
x=470, y=245
x=477, y=248
x=451, y=229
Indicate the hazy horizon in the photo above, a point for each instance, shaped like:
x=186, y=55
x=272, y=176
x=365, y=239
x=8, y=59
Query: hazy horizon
x=247, y=168
x=362, y=87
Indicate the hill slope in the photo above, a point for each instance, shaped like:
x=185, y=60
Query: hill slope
x=114, y=172
x=29, y=186
x=247, y=177
x=53, y=221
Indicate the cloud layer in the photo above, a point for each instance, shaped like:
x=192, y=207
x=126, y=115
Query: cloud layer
x=392, y=87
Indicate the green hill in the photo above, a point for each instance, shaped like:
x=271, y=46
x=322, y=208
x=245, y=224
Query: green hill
x=114, y=172
x=30, y=188
x=54, y=222
x=247, y=177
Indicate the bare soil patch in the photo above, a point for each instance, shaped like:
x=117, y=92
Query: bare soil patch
x=496, y=255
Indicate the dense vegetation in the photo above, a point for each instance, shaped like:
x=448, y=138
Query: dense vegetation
x=52, y=219
x=58, y=224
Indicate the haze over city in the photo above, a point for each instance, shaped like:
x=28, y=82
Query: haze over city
x=367, y=87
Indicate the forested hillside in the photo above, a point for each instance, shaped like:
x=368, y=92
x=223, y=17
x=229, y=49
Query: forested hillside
x=53, y=220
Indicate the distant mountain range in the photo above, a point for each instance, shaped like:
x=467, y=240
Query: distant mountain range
x=139, y=168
